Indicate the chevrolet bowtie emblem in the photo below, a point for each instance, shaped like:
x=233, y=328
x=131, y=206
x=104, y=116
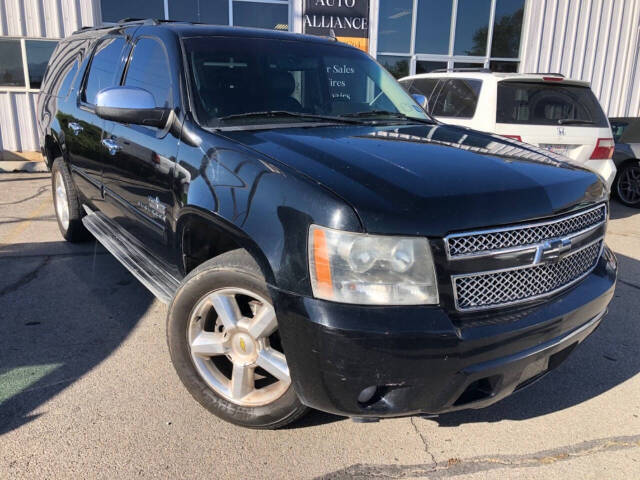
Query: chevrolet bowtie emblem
x=552, y=250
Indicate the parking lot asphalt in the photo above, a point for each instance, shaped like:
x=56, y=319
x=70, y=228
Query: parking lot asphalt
x=87, y=388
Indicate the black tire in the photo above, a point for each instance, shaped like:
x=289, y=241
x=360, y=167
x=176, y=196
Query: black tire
x=626, y=171
x=75, y=231
x=235, y=269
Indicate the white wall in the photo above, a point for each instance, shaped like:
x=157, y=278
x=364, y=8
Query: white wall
x=46, y=18
x=593, y=40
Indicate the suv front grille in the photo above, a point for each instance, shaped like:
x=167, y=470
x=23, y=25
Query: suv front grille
x=510, y=286
x=475, y=243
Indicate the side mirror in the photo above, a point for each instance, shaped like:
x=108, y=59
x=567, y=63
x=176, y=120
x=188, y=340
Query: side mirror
x=421, y=100
x=130, y=105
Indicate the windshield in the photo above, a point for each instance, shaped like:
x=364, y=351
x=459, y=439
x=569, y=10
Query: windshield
x=538, y=103
x=232, y=77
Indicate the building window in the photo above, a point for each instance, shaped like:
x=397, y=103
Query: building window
x=398, y=66
x=394, y=26
x=426, y=66
x=24, y=62
x=506, y=28
x=450, y=34
x=472, y=28
x=204, y=11
x=115, y=10
x=433, y=26
x=11, y=68
x=261, y=14
x=272, y=14
x=38, y=54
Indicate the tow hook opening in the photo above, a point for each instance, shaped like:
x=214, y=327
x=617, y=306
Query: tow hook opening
x=478, y=390
x=372, y=394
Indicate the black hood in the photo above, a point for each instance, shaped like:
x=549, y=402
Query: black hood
x=430, y=180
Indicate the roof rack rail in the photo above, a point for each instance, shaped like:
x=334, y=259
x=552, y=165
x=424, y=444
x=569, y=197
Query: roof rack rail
x=555, y=74
x=466, y=69
x=130, y=21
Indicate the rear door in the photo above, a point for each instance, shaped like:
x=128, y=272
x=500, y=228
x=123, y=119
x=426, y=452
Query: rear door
x=139, y=168
x=83, y=128
x=560, y=116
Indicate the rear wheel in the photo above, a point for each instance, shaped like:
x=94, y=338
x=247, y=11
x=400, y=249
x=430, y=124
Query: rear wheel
x=223, y=338
x=627, y=184
x=67, y=204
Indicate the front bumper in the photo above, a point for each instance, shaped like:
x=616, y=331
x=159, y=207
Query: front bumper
x=419, y=359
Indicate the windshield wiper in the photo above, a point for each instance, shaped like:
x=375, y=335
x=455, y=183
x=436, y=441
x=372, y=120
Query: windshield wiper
x=285, y=113
x=388, y=114
x=575, y=121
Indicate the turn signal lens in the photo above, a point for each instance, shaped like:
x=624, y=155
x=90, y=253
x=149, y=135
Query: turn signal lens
x=604, y=149
x=321, y=262
x=371, y=269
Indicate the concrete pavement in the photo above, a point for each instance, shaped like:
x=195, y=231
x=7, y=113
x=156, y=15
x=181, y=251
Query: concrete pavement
x=87, y=388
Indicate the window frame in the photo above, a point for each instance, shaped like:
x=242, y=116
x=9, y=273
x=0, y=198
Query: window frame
x=450, y=58
x=25, y=64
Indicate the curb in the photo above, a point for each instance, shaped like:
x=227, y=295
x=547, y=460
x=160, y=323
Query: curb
x=10, y=166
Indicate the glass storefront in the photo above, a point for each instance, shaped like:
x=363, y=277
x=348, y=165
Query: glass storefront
x=24, y=62
x=419, y=36
x=245, y=13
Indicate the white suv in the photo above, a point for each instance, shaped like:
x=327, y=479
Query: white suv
x=547, y=110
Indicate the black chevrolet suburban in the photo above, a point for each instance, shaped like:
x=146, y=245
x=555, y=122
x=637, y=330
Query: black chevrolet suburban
x=320, y=240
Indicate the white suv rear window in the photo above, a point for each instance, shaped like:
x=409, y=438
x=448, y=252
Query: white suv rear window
x=536, y=103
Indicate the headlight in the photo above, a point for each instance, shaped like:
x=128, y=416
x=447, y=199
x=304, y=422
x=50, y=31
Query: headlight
x=371, y=269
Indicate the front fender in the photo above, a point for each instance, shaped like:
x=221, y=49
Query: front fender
x=266, y=206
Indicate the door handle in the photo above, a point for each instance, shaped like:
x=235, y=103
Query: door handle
x=111, y=145
x=76, y=128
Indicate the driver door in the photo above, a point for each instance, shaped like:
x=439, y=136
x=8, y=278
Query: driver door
x=140, y=164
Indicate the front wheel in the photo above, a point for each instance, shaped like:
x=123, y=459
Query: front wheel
x=223, y=339
x=627, y=184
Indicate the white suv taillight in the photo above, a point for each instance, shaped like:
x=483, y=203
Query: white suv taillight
x=604, y=149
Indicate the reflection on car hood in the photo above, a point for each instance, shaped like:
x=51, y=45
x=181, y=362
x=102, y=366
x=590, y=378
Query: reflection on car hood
x=430, y=179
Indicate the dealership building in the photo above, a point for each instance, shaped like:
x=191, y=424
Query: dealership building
x=593, y=40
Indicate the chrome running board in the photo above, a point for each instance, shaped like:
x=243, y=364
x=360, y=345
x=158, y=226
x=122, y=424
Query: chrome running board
x=129, y=251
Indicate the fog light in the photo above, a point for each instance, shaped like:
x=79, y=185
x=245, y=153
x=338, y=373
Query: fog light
x=367, y=394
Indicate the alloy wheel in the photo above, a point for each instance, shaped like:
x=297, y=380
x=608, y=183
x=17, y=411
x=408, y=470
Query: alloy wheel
x=235, y=347
x=629, y=185
x=62, y=201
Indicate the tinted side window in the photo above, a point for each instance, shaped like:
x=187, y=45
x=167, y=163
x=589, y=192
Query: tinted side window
x=104, y=65
x=423, y=86
x=63, y=68
x=149, y=69
x=458, y=98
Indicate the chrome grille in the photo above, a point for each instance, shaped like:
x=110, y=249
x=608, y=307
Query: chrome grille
x=505, y=287
x=484, y=241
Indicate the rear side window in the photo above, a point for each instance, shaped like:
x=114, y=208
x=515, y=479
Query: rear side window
x=63, y=68
x=104, y=65
x=538, y=103
x=458, y=98
x=149, y=69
